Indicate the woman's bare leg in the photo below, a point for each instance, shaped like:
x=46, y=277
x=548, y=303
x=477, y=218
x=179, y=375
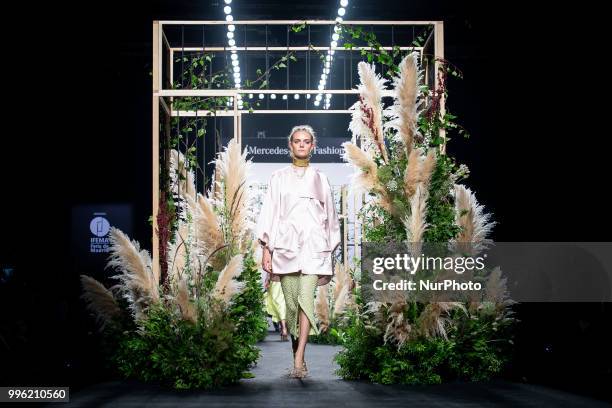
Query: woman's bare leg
x=294, y=344
x=303, y=339
x=283, y=324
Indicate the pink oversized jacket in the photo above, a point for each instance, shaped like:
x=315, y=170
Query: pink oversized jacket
x=299, y=223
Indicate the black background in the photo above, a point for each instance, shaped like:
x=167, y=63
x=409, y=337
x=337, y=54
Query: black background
x=77, y=127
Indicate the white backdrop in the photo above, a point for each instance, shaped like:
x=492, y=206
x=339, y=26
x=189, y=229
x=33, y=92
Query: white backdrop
x=337, y=173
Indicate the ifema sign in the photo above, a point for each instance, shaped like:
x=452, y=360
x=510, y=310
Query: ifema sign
x=493, y=272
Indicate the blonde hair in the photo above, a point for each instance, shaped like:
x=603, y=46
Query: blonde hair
x=303, y=128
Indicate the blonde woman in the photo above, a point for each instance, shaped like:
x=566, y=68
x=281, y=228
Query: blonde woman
x=299, y=229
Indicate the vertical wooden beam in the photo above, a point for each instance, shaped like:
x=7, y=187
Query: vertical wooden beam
x=357, y=225
x=155, y=142
x=425, y=66
x=171, y=72
x=344, y=202
x=236, y=119
x=240, y=130
x=439, y=54
x=361, y=198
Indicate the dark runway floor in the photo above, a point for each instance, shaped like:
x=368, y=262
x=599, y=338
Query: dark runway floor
x=272, y=388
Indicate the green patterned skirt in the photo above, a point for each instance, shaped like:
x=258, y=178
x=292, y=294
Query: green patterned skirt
x=299, y=291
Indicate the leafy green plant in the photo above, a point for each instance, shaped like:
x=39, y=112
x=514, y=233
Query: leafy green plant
x=476, y=349
x=248, y=311
x=415, y=199
x=175, y=352
x=197, y=328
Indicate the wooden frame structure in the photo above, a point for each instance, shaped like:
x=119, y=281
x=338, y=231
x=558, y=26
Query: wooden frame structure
x=160, y=44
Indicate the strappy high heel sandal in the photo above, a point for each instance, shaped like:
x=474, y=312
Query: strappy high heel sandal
x=304, y=366
x=298, y=372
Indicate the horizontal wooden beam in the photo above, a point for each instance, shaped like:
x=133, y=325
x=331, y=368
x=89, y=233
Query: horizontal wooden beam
x=294, y=22
x=191, y=49
x=234, y=92
x=230, y=112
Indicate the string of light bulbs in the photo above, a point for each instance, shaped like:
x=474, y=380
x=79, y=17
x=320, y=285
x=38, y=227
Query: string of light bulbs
x=231, y=42
x=329, y=58
x=327, y=63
